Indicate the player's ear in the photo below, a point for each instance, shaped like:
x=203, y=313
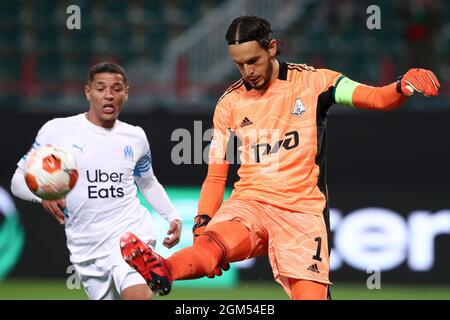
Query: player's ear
x=87, y=92
x=126, y=92
x=272, y=48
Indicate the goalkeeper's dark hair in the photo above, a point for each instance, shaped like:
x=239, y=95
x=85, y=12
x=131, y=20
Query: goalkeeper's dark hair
x=106, y=67
x=250, y=28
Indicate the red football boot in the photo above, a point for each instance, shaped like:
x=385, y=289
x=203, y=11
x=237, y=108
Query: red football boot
x=150, y=265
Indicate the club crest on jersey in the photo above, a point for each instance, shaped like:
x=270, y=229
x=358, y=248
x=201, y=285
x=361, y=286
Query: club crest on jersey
x=128, y=152
x=299, y=108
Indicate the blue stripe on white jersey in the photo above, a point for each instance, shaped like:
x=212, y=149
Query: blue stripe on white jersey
x=143, y=165
x=35, y=146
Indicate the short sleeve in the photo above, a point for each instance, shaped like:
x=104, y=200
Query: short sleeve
x=326, y=79
x=144, y=163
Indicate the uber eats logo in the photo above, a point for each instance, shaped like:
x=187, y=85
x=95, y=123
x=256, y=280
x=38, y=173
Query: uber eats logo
x=105, y=184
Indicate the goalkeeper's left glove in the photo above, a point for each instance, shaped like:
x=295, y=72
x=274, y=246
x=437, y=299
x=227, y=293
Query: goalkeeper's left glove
x=420, y=80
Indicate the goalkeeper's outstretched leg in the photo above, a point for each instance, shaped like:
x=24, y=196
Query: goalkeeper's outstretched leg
x=209, y=255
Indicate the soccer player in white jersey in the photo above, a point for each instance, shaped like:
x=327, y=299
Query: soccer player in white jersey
x=113, y=157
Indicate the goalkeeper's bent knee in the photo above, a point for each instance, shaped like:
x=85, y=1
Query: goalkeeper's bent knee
x=213, y=243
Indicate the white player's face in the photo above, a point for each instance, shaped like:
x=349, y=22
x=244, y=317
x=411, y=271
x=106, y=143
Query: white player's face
x=255, y=63
x=106, y=93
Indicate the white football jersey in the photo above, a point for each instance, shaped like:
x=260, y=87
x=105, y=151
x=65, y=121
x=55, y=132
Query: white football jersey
x=104, y=203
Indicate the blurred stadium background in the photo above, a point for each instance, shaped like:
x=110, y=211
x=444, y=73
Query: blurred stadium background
x=388, y=173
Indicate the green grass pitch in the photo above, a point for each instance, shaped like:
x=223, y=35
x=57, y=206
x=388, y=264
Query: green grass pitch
x=57, y=290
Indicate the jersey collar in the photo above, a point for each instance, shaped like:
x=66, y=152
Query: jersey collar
x=282, y=75
x=96, y=128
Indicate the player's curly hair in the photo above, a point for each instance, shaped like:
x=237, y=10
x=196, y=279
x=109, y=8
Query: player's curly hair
x=108, y=67
x=248, y=28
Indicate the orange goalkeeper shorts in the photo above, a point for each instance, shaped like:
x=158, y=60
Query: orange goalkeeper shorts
x=295, y=242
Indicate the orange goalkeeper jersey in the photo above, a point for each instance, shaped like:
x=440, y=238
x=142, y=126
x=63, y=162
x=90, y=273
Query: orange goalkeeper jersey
x=282, y=131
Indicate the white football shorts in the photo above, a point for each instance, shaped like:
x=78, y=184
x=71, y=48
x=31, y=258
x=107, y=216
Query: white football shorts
x=105, y=278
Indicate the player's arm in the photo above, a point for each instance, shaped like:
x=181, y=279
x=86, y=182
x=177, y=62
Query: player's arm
x=211, y=196
x=390, y=97
x=156, y=196
x=213, y=187
x=19, y=187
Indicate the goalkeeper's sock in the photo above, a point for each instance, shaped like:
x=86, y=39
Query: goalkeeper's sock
x=222, y=243
x=307, y=290
x=198, y=260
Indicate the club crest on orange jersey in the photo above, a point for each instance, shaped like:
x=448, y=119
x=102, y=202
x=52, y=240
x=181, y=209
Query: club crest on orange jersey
x=299, y=108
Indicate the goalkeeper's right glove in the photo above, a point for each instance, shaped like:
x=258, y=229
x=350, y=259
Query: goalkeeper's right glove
x=420, y=80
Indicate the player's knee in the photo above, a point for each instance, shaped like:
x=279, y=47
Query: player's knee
x=235, y=237
x=225, y=242
x=213, y=246
x=137, y=292
x=308, y=290
x=211, y=241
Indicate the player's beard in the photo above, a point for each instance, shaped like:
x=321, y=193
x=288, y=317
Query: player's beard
x=266, y=77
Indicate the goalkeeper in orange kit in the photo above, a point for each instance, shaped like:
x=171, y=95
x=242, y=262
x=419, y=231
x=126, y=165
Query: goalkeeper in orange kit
x=279, y=207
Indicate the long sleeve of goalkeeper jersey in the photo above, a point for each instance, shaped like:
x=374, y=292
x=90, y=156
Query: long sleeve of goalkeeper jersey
x=213, y=189
x=361, y=96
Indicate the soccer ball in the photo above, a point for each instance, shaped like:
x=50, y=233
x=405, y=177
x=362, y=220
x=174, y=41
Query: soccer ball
x=51, y=172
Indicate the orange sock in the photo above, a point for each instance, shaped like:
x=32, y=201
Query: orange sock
x=223, y=242
x=196, y=261
x=308, y=290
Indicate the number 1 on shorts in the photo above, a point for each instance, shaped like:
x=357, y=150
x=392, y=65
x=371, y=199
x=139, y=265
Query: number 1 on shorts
x=319, y=245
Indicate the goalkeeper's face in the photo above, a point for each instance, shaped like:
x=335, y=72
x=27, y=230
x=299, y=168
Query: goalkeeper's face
x=254, y=62
x=106, y=93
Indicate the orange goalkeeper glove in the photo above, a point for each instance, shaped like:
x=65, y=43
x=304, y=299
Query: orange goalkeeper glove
x=200, y=223
x=420, y=80
x=218, y=270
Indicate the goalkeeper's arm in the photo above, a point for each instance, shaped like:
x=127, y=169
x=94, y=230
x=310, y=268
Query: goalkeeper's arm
x=211, y=196
x=390, y=97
